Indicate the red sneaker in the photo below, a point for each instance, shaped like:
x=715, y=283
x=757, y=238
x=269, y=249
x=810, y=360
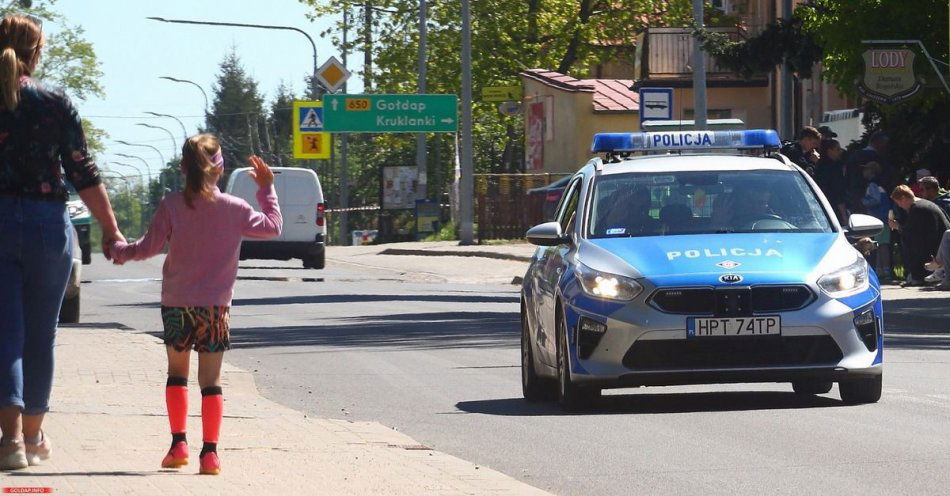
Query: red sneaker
x=177, y=456
x=210, y=464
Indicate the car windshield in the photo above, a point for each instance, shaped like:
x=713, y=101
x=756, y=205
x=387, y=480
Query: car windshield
x=704, y=202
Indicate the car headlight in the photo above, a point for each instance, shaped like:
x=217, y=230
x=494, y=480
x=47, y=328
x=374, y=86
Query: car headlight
x=607, y=286
x=846, y=281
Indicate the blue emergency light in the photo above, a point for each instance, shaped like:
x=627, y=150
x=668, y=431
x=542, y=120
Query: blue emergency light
x=685, y=140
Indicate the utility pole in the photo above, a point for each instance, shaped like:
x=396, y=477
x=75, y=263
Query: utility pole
x=344, y=146
x=466, y=186
x=786, y=129
x=699, y=71
x=421, y=166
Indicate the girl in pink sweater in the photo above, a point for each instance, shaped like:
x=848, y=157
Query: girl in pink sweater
x=203, y=229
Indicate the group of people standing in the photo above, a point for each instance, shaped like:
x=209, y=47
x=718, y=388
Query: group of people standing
x=916, y=212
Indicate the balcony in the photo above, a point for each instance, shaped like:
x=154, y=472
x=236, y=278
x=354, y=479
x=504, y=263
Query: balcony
x=665, y=54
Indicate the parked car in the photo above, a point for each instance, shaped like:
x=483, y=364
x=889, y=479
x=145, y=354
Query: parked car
x=69, y=312
x=301, y=203
x=82, y=221
x=545, y=198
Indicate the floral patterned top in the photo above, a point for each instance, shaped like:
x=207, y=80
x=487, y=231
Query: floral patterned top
x=40, y=139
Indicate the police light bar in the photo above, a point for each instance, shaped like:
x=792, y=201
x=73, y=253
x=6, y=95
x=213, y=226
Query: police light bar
x=685, y=140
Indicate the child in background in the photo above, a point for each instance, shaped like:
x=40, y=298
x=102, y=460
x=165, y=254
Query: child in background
x=203, y=228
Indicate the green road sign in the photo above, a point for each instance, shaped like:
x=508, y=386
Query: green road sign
x=390, y=113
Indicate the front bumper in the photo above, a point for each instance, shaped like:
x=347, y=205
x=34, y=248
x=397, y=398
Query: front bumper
x=643, y=346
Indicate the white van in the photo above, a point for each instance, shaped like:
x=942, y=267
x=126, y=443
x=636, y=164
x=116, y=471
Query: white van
x=301, y=203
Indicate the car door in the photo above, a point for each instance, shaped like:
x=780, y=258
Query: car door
x=551, y=268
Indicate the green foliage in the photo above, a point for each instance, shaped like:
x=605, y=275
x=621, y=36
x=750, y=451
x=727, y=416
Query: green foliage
x=508, y=36
x=781, y=42
x=918, y=127
x=839, y=26
x=449, y=232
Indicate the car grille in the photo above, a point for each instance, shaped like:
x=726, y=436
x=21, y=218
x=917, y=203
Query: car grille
x=732, y=353
x=732, y=302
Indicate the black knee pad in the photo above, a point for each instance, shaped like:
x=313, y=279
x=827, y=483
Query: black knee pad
x=176, y=381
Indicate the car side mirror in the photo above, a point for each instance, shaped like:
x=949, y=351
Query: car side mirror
x=547, y=234
x=863, y=226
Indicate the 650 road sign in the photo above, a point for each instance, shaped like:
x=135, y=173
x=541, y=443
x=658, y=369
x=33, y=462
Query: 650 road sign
x=390, y=113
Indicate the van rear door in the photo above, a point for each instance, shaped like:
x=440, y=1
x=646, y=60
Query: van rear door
x=299, y=196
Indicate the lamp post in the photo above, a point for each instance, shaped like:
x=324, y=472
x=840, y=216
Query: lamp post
x=170, y=135
x=186, y=81
x=148, y=171
x=184, y=131
x=466, y=182
x=160, y=156
x=313, y=78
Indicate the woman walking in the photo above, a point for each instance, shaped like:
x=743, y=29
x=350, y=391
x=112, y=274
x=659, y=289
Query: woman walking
x=40, y=136
x=203, y=229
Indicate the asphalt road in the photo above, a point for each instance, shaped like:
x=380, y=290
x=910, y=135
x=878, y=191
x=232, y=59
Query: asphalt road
x=439, y=362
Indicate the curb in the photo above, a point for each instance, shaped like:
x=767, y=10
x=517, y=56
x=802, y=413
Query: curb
x=449, y=253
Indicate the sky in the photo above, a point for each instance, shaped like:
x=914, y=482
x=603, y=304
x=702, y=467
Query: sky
x=135, y=51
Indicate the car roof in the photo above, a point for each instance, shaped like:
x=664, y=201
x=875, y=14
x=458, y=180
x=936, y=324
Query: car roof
x=694, y=162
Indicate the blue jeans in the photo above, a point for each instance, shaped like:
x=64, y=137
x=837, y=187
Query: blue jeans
x=36, y=245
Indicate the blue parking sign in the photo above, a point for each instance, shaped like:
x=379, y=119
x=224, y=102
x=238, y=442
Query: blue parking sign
x=310, y=118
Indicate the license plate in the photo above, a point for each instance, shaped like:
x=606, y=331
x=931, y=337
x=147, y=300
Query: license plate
x=736, y=326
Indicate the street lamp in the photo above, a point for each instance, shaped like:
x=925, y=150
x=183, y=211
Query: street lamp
x=184, y=132
x=170, y=135
x=196, y=85
x=140, y=175
x=162, y=157
x=148, y=170
x=313, y=78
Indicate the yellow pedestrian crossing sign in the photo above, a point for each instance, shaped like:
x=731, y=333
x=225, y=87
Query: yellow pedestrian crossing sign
x=310, y=141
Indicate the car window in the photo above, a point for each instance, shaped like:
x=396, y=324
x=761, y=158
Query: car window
x=569, y=206
x=704, y=202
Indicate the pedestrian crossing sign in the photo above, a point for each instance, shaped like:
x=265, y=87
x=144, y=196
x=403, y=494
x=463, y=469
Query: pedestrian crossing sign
x=310, y=141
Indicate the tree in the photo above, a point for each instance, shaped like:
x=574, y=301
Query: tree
x=236, y=108
x=279, y=124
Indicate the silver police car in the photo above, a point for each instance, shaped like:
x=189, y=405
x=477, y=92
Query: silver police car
x=698, y=267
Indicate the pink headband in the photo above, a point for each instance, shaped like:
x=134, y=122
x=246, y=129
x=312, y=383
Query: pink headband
x=217, y=159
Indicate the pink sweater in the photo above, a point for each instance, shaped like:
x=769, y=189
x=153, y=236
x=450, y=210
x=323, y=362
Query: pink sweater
x=204, y=244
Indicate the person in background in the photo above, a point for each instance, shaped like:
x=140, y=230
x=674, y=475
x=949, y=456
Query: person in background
x=921, y=231
x=930, y=190
x=830, y=176
x=874, y=152
x=918, y=175
x=877, y=204
x=804, y=151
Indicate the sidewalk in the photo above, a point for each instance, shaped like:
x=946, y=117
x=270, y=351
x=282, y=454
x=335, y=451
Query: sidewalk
x=110, y=432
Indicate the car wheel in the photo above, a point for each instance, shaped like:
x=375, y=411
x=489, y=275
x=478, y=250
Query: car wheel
x=314, y=261
x=533, y=387
x=811, y=387
x=69, y=312
x=861, y=390
x=572, y=397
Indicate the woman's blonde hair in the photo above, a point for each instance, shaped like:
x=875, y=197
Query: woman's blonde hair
x=21, y=40
x=201, y=172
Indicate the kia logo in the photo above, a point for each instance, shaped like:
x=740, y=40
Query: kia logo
x=730, y=278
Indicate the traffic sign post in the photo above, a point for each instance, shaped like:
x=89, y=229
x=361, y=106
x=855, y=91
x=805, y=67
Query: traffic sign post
x=311, y=141
x=656, y=104
x=405, y=113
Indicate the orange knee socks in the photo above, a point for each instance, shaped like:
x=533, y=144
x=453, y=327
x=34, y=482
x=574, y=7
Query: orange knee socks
x=212, y=410
x=176, y=400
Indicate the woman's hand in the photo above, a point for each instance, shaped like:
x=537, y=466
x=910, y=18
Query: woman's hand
x=107, y=239
x=262, y=175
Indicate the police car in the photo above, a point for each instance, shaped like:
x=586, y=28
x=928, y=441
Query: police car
x=709, y=259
